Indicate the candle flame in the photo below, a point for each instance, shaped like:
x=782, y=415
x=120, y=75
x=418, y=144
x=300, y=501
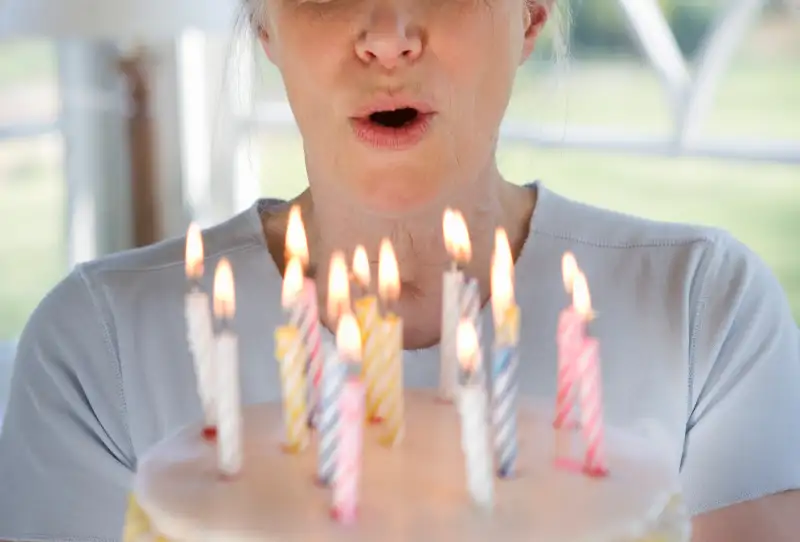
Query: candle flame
x=456, y=236
x=467, y=345
x=194, y=252
x=224, y=295
x=569, y=270
x=361, y=266
x=338, y=287
x=348, y=338
x=296, y=242
x=581, y=299
x=292, y=282
x=388, y=272
x=502, y=272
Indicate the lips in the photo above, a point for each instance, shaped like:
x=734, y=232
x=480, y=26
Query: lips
x=393, y=124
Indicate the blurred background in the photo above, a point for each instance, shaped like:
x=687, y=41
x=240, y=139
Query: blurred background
x=678, y=110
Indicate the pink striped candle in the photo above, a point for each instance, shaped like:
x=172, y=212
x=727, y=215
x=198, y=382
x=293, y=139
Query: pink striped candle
x=592, y=427
x=348, y=461
x=570, y=334
x=312, y=339
x=571, y=329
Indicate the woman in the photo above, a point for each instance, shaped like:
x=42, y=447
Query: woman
x=399, y=104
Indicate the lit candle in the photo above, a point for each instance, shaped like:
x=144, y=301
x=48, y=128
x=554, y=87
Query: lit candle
x=391, y=403
x=504, y=366
x=306, y=315
x=351, y=429
x=333, y=376
x=569, y=337
x=338, y=288
x=366, y=308
x=591, y=397
x=229, y=415
x=456, y=238
x=200, y=331
x=474, y=426
x=291, y=355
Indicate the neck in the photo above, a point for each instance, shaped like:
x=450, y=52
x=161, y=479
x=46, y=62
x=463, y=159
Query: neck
x=336, y=222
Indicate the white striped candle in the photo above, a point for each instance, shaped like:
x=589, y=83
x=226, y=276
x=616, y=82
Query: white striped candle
x=229, y=446
x=333, y=378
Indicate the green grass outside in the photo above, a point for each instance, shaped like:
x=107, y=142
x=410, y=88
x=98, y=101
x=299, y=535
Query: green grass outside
x=759, y=203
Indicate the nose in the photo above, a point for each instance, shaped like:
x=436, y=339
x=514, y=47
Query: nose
x=389, y=38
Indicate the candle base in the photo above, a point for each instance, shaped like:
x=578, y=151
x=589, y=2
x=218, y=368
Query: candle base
x=593, y=471
x=392, y=439
x=293, y=449
x=345, y=516
x=570, y=425
x=507, y=472
x=228, y=476
x=209, y=433
x=444, y=399
x=568, y=464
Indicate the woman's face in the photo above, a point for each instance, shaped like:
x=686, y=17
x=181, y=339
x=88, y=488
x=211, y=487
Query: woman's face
x=398, y=101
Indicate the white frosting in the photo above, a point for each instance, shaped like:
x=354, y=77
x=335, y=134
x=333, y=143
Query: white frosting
x=416, y=491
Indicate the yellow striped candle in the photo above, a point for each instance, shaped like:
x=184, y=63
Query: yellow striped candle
x=290, y=354
x=392, y=407
x=369, y=322
x=368, y=316
x=391, y=403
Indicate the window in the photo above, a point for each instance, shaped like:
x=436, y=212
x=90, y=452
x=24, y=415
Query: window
x=32, y=195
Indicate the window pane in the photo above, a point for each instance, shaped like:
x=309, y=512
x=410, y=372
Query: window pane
x=283, y=171
x=759, y=95
x=27, y=83
x=758, y=203
x=31, y=184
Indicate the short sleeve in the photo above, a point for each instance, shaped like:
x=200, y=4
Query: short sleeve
x=743, y=432
x=65, y=454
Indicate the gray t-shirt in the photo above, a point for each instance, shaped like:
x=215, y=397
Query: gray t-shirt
x=695, y=332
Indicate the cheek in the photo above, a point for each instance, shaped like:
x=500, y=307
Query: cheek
x=308, y=53
x=484, y=62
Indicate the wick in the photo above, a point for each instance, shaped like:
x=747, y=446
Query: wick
x=194, y=285
x=224, y=324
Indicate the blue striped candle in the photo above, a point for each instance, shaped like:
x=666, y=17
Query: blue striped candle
x=504, y=409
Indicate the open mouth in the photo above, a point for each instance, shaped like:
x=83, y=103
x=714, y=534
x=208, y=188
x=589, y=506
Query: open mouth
x=395, y=118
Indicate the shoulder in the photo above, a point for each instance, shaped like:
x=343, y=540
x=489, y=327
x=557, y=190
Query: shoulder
x=241, y=233
x=700, y=251
x=84, y=307
x=722, y=284
x=561, y=217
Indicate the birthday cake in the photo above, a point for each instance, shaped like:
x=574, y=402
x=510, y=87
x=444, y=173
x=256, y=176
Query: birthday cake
x=414, y=491
x=352, y=455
